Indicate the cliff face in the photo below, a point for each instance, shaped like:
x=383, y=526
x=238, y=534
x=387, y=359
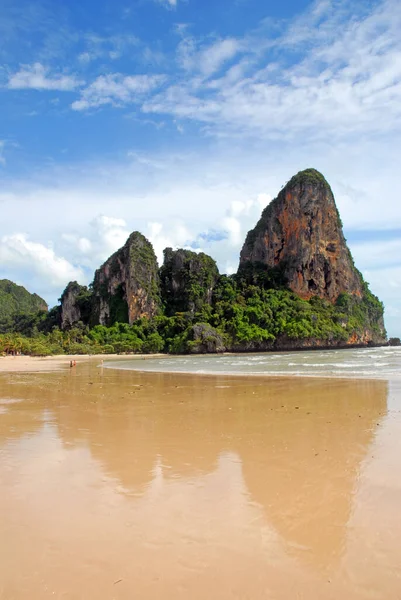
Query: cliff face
x=126, y=287
x=187, y=280
x=299, y=241
x=300, y=233
x=297, y=286
x=76, y=305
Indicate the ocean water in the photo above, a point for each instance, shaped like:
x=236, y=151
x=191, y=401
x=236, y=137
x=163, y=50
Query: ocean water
x=376, y=363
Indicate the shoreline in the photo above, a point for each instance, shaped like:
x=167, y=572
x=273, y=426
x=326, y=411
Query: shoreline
x=254, y=375
x=49, y=364
x=59, y=362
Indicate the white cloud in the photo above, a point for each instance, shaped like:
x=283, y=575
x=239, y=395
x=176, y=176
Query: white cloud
x=242, y=216
x=213, y=57
x=206, y=59
x=103, y=237
x=37, y=262
x=117, y=90
x=38, y=77
x=168, y=3
x=111, y=233
x=344, y=79
x=175, y=235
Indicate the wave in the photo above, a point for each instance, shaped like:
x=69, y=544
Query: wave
x=378, y=363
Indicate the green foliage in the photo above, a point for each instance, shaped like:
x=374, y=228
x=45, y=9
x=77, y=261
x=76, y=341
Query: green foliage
x=118, y=306
x=256, y=274
x=15, y=300
x=308, y=176
x=187, y=279
x=204, y=312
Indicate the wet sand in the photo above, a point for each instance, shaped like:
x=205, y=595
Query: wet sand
x=36, y=364
x=119, y=484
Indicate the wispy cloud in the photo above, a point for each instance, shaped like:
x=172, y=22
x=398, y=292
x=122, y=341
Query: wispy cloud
x=171, y=4
x=110, y=47
x=208, y=58
x=39, y=77
x=216, y=55
x=117, y=90
x=344, y=78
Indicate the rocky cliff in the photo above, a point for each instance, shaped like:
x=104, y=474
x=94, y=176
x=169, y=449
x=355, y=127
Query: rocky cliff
x=126, y=287
x=187, y=279
x=299, y=242
x=300, y=233
x=297, y=286
x=76, y=305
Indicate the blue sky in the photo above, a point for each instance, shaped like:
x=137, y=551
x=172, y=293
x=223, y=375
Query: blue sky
x=183, y=118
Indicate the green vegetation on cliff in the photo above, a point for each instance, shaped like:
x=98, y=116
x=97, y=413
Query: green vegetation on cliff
x=187, y=279
x=242, y=316
x=297, y=286
x=15, y=300
x=308, y=176
x=127, y=285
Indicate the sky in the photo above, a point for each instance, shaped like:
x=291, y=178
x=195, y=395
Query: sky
x=183, y=119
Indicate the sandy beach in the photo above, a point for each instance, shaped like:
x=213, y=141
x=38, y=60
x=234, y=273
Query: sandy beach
x=34, y=364
x=122, y=484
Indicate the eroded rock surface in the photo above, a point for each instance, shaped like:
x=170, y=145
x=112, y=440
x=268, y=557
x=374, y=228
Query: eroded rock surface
x=126, y=286
x=300, y=233
x=75, y=305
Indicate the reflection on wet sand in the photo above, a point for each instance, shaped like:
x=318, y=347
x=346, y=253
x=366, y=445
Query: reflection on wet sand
x=119, y=483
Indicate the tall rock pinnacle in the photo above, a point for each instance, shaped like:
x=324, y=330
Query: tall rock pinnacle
x=126, y=287
x=300, y=233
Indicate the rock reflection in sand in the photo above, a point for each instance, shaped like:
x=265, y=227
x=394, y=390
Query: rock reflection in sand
x=181, y=486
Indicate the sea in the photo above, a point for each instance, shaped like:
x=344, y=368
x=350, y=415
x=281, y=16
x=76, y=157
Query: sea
x=366, y=363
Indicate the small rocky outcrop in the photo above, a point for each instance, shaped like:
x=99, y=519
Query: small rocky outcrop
x=300, y=233
x=187, y=279
x=76, y=305
x=126, y=287
x=204, y=339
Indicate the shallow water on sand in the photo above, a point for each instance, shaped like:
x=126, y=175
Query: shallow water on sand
x=119, y=484
x=378, y=363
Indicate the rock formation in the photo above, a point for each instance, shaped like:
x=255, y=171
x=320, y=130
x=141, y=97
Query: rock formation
x=76, y=305
x=300, y=233
x=126, y=287
x=204, y=339
x=187, y=280
x=297, y=285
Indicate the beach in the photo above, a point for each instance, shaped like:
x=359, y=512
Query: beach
x=118, y=483
x=37, y=364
